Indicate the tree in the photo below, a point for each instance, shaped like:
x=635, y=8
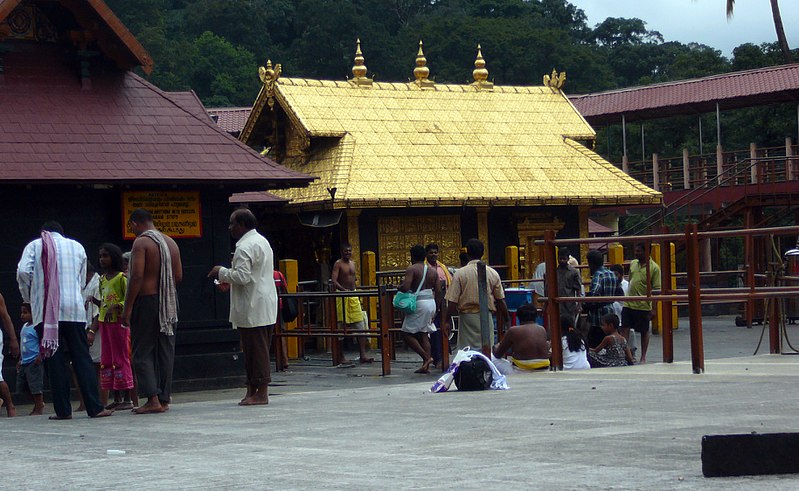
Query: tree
x=781, y=38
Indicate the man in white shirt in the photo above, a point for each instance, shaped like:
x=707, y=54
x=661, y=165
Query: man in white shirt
x=253, y=301
x=70, y=335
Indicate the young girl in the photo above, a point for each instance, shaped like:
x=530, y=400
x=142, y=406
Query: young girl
x=575, y=353
x=115, y=370
x=613, y=350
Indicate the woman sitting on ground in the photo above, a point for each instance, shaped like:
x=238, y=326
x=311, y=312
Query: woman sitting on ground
x=613, y=350
x=575, y=352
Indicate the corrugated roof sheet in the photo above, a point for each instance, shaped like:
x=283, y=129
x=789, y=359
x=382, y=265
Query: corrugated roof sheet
x=687, y=97
x=122, y=129
x=403, y=146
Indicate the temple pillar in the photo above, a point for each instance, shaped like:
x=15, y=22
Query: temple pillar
x=353, y=232
x=582, y=213
x=369, y=277
x=290, y=270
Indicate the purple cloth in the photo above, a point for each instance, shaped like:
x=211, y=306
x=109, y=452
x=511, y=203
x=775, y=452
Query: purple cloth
x=52, y=295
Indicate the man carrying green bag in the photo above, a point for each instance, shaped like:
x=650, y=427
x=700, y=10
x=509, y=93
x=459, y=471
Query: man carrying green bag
x=418, y=298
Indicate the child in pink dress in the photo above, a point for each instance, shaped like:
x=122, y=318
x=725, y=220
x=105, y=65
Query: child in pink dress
x=115, y=369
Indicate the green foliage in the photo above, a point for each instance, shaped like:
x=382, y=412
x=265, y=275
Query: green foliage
x=214, y=47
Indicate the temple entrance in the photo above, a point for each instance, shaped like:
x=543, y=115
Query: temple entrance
x=531, y=227
x=396, y=235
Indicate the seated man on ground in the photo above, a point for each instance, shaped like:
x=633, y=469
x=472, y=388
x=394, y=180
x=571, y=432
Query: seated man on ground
x=526, y=344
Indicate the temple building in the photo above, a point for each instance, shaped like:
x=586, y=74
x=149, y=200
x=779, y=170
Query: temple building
x=84, y=140
x=406, y=163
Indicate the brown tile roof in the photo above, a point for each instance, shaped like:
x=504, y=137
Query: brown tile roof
x=687, y=97
x=114, y=39
x=257, y=197
x=230, y=119
x=123, y=129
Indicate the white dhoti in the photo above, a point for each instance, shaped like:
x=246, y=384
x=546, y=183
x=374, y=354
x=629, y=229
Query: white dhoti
x=422, y=319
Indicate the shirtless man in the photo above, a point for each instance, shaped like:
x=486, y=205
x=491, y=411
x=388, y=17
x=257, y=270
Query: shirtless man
x=151, y=310
x=526, y=343
x=348, y=309
x=416, y=325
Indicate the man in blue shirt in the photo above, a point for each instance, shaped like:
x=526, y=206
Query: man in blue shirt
x=603, y=284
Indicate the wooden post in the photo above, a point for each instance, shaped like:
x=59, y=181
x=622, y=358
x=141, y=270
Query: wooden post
x=719, y=164
x=444, y=342
x=675, y=318
x=512, y=261
x=774, y=325
x=666, y=305
x=482, y=231
x=625, y=164
x=486, y=326
x=290, y=270
x=694, y=297
x=332, y=324
x=369, y=277
x=386, y=319
x=655, y=172
x=749, y=265
x=753, y=170
x=789, y=163
x=686, y=169
x=552, y=308
x=657, y=322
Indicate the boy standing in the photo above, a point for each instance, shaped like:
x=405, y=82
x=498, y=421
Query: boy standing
x=30, y=372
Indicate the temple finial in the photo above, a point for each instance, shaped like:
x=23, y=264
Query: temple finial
x=480, y=72
x=359, y=69
x=421, y=72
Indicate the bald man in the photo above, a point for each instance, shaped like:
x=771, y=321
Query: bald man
x=253, y=301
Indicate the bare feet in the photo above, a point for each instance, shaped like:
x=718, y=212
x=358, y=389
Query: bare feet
x=114, y=406
x=103, y=414
x=37, y=411
x=149, y=408
x=254, y=401
x=57, y=417
x=165, y=405
x=122, y=406
x=366, y=360
x=425, y=368
x=11, y=411
x=81, y=408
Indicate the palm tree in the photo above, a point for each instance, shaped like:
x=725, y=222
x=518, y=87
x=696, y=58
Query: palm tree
x=781, y=39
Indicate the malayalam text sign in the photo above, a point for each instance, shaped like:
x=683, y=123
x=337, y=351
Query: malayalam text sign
x=175, y=213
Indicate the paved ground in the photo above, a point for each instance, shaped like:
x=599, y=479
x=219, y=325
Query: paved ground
x=627, y=428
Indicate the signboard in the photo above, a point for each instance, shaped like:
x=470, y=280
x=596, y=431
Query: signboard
x=175, y=213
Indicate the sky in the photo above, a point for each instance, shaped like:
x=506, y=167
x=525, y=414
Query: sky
x=702, y=21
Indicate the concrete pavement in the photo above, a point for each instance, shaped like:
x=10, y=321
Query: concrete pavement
x=327, y=428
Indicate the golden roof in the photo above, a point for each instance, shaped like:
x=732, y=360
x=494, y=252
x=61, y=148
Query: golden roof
x=397, y=144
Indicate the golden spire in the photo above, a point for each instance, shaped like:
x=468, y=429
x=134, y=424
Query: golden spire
x=480, y=72
x=421, y=72
x=269, y=76
x=359, y=69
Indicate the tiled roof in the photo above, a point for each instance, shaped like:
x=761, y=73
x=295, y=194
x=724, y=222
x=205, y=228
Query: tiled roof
x=122, y=129
x=257, y=197
x=396, y=145
x=689, y=97
x=230, y=119
x=114, y=39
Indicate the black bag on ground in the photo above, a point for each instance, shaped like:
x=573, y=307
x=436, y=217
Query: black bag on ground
x=474, y=374
x=288, y=311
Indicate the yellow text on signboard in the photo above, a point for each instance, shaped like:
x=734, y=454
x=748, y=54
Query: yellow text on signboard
x=175, y=213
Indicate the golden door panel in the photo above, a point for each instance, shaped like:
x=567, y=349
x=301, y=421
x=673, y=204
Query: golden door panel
x=396, y=235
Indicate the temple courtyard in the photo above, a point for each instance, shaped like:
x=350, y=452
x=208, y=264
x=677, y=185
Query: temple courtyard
x=331, y=428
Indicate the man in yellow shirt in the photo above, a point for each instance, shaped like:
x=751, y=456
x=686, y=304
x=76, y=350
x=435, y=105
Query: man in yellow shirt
x=636, y=315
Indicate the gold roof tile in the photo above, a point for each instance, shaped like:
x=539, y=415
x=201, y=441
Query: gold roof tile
x=512, y=145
